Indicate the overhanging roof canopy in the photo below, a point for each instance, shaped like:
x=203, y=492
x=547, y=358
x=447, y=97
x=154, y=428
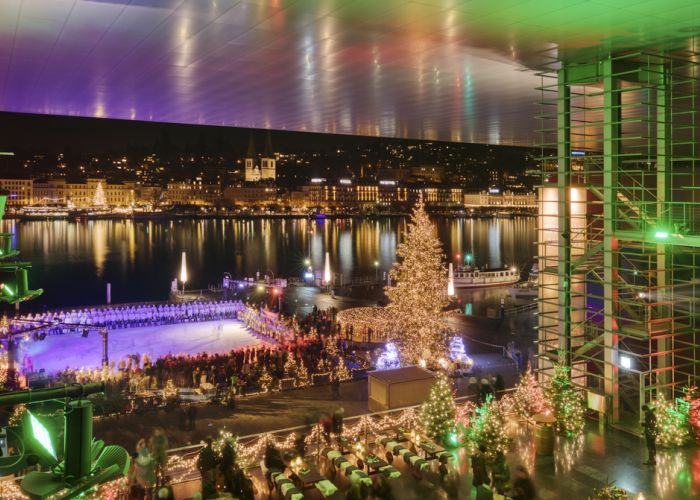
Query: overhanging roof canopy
x=427, y=69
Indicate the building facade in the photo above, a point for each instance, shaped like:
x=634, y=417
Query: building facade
x=191, y=193
x=94, y=192
x=505, y=199
x=20, y=191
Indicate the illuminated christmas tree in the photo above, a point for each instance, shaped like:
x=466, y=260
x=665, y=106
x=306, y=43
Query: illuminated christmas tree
x=528, y=397
x=417, y=300
x=438, y=411
x=302, y=375
x=169, y=391
x=341, y=369
x=672, y=426
x=99, y=199
x=566, y=402
x=265, y=380
x=331, y=346
x=291, y=366
x=487, y=428
x=323, y=366
x=693, y=401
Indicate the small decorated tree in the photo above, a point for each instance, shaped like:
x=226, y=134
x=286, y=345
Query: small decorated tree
x=341, y=369
x=302, y=379
x=528, y=397
x=265, y=380
x=169, y=391
x=291, y=367
x=693, y=400
x=323, y=366
x=487, y=428
x=566, y=402
x=672, y=428
x=331, y=346
x=438, y=411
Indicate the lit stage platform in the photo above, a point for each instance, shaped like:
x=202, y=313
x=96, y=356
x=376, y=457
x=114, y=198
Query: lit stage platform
x=57, y=352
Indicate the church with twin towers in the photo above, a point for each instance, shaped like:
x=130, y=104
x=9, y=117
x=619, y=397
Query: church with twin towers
x=266, y=169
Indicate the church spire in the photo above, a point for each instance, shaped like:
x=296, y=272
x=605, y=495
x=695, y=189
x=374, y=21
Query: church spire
x=251, y=146
x=268, y=145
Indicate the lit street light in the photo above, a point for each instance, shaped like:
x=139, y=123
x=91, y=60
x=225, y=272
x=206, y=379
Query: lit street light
x=376, y=270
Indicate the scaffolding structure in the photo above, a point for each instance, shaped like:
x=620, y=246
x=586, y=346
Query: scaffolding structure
x=619, y=226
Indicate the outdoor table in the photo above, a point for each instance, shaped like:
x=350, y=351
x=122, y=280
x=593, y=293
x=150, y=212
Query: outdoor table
x=401, y=434
x=373, y=463
x=307, y=475
x=430, y=449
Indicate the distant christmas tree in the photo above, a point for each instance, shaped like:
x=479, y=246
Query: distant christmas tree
x=169, y=391
x=331, y=346
x=99, y=199
x=291, y=366
x=487, y=428
x=341, y=370
x=302, y=375
x=566, y=402
x=438, y=411
x=323, y=366
x=265, y=380
x=417, y=301
x=528, y=397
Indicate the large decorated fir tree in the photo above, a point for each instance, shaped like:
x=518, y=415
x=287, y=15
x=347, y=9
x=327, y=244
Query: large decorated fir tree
x=438, y=411
x=419, y=296
x=566, y=402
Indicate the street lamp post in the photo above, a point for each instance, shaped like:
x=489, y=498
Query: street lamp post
x=376, y=270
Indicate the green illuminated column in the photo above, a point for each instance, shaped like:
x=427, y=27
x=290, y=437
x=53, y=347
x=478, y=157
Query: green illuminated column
x=564, y=212
x=611, y=159
x=664, y=119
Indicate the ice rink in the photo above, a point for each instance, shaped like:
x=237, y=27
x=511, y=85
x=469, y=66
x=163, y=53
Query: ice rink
x=56, y=352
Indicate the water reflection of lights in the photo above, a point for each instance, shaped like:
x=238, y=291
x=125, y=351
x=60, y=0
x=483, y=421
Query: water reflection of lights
x=671, y=475
x=568, y=453
x=523, y=443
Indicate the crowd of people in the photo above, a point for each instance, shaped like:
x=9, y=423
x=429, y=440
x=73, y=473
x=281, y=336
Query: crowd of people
x=240, y=371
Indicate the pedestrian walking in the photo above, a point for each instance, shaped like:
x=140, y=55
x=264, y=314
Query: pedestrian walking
x=650, y=433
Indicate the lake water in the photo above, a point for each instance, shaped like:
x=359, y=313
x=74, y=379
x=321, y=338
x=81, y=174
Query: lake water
x=73, y=261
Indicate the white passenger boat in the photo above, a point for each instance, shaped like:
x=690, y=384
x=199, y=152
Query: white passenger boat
x=473, y=277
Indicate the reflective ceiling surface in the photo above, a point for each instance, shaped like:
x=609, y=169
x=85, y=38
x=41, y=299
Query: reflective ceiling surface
x=426, y=69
